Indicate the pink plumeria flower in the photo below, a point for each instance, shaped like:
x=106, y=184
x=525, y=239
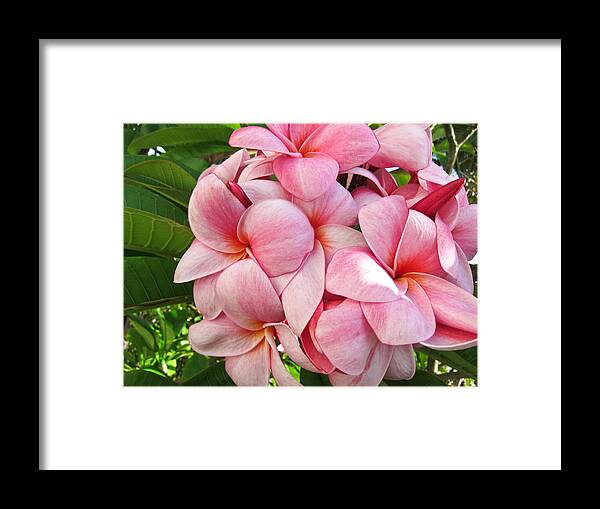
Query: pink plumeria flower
x=395, y=295
x=245, y=331
x=307, y=158
x=272, y=230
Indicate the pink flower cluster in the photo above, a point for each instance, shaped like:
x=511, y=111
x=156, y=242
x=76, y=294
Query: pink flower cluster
x=344, y=283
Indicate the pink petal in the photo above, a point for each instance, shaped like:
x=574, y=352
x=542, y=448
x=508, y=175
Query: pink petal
x=257, y=190
x=305, y=291
x=349, y=144
x=405, y=321
x=465, y=231
x=282, y=131
x=407, y=146
x=258, y=168
x=200, y=260
x=247, y=296
x=363, y=196
x=311, y=346
x=388, y=182
x=257, y=138
x=434, y=201
x=345, y=337
x=369, y=175
x=452, y=306
x=355, y=274
x=334, y=237
x=377, y=366
x=205, y=296
x=221, y=337
x=433, y=176
x=279, y=235
x=417, y=249
x=291, y=346
x=252, y=368
x=463, y=276
x=229, y=169
x=214, y=213
x=306, y=177
x=448, y=338
x=382, y=223
x=334, y=206
x=280, y=373
x=299, y=132
x=446, y=247
x=412, y=193
x=402, y=364
x=281, y=282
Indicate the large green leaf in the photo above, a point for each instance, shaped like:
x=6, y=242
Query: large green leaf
x=214, y=375
x=144, y=329
x=149, y=233
x=194, y=366
x=464, y=361
x=148, y=282
x=421, y=378
x=142, y=377
x=141, y=198
x=212, y=134
x=164, y=177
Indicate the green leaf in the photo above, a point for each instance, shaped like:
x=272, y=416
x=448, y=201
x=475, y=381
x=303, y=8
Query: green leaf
x=421, y=378
x=142, y=377
x=402, y=177
x=164, y=177
x=464, y=361
x=214, y=375
x=190, y=158
x=194, y=366
x=149, y=233
x=141, y=198
x=212, y=134
x=310, y=379
x=148, y=282
x=144, y=329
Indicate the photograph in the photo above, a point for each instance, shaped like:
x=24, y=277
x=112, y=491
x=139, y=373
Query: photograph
x=300, y=254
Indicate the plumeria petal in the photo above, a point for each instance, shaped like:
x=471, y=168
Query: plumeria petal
x=334, y=206
x=257, y=190
x=346, y=337
x=407, y=146
x=291, y=346
x=282, y=131
x=402, y=364
x=222, y=337
x=382, y=223
x=449, y=338
x=214, y=213
x=404, y=321
x=363, y=196
x=452, y=306
x=257, y=138
x=463, y=276
x=205, y=296
x=354, y=273
x=200, y=260
x=280, y=373
x=279, y=235
x=349, y=144
x=377, y=365
x=247, y=296
x=258, y=168
x=299, y=132
x=306, y=177
x=252, y=368
x=465, y=231
x=417, y=249
x=334, y=237
x=304, y=292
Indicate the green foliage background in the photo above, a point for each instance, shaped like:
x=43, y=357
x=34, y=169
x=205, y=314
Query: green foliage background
x=162, y=163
